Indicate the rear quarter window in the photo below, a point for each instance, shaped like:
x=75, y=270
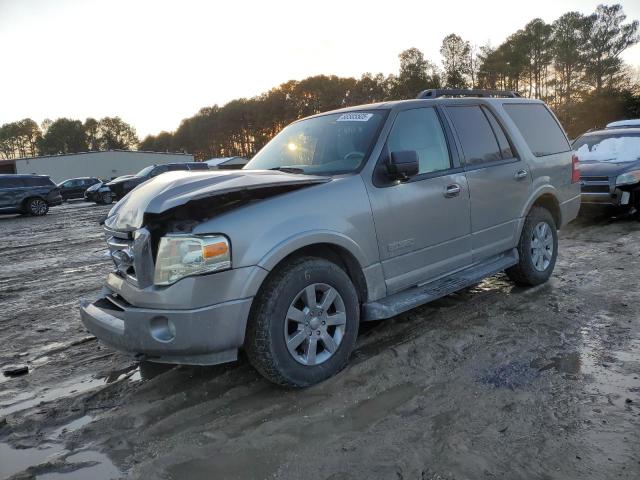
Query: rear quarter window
x=540, y=129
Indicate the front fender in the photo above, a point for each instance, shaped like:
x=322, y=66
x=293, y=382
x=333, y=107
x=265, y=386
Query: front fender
x=308, y=238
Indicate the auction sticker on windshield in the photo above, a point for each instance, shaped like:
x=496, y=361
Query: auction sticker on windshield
x=354, y=117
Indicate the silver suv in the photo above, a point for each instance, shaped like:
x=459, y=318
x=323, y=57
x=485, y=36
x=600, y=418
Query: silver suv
x=352, y=215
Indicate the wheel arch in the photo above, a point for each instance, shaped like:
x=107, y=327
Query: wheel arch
x=335, y=248
x=547, y=198
x=26, y=200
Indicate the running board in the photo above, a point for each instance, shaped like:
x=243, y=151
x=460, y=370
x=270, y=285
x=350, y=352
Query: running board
x=415, y=296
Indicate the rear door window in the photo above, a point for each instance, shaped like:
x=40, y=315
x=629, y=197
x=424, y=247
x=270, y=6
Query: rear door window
x=479, y=142
x=540, y=130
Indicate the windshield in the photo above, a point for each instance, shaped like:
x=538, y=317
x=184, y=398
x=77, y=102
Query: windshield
x=608, y=147
x=145, y=171
x=325, y=145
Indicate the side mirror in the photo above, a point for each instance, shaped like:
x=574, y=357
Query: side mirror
x=403, y=164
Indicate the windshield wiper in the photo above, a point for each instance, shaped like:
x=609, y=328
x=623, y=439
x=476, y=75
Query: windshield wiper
x=288, y=169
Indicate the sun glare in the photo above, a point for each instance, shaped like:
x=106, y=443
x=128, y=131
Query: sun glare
x=292, y=146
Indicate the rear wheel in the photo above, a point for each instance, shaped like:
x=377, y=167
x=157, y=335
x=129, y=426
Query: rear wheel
x=538, y=249
x=304, y=323
x=37, y=207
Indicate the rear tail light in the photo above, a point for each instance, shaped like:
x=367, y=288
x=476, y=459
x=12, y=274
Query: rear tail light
x=575, y=169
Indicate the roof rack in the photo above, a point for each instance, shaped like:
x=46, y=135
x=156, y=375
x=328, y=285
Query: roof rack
x=465, y=92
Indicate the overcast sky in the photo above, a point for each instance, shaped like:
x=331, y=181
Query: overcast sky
x=155, y=62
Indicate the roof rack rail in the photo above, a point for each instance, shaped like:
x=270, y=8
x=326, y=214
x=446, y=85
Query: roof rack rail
x=465, y=92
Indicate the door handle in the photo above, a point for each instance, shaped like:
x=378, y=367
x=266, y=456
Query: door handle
x=452, y=191
x=520, y=174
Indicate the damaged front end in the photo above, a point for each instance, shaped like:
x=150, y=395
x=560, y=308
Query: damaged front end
x=200, y=319
x=175, y=203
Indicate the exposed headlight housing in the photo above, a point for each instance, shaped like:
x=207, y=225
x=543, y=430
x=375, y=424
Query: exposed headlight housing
x=181, y=256
x=628, y=178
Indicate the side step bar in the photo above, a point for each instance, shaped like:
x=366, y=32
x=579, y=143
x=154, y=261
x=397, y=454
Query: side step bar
x=415, y=296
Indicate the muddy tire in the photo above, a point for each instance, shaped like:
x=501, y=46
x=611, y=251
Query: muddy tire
x=106, y=198
x=538, y=249
x=303, y=323
x=37, y=207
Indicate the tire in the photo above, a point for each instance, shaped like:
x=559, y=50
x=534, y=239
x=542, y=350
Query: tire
x=37, y=207
x=537, y=259
x=106, y=198
x=278, y=313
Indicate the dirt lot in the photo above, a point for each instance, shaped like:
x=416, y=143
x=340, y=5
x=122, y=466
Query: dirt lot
x=492, y=382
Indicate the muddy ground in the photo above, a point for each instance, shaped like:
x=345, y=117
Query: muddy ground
x=492, y=382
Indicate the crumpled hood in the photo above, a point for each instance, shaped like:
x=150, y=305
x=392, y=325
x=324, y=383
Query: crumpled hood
x=174, y=189
x=606, y=169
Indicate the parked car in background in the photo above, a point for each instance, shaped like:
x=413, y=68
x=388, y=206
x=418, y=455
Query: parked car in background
x=226, y=163
x=121, y=186
x=99, y=193
x=32, y=194
x=75, y=187
x=610, y=166
x=356, y=214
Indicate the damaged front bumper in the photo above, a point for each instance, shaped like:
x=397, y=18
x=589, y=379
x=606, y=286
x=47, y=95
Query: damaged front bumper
x=199, y=320
x=202, y=336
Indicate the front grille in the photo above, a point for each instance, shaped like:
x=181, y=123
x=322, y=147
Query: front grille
x=131, y=255
x=121, y=250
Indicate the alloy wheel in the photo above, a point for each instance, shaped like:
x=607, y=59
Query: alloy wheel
x=315, y=324
x=541, y=246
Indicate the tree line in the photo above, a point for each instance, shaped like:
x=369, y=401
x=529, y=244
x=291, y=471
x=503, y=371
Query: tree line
x=25, y=138
x=574, y=64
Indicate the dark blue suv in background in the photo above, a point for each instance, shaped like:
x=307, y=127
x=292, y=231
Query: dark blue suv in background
x=32, y=194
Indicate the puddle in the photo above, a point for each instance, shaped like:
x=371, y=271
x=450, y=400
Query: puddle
x=570, y=363
x=365, y=413
x=75, y=386
x=15, y=460
x=71, y=466
x=28, y=400
x=93, y=465
x=72, y=426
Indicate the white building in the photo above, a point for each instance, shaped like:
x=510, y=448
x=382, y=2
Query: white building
x=105, y=165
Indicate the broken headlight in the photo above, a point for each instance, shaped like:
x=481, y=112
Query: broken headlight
x=628, y=178
x=182, y=256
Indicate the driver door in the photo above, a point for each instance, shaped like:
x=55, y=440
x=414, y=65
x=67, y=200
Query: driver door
x=423, y=224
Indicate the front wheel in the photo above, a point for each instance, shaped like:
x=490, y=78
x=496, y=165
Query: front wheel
x=304, y=323
x=106, y=198
x=538, y=249
x=37, y=207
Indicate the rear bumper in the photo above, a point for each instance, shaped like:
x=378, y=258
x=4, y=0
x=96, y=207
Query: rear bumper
x=203, y=336
x=569, y=210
